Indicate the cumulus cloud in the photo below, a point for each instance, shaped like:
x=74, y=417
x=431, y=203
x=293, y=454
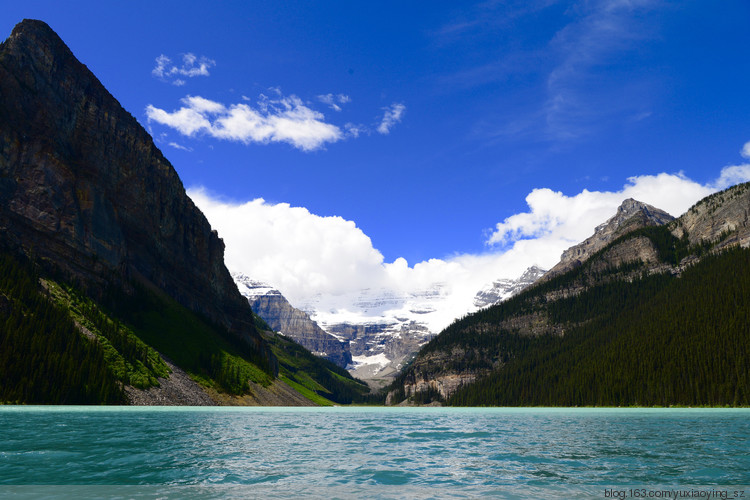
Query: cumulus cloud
x=334, y=101
x=391, y=116
x=191, y=67
x=732, y=175
x=329, y=260
x=291, y=248
x=745, y=152
x=572, y=218
x=282, y=119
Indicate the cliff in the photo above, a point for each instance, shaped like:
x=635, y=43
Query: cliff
x=630, y=215
x=85, y=189
x=275, y=309
x=721, y=217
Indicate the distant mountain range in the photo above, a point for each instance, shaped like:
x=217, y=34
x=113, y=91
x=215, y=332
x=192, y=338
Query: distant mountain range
x=378, y=341
x=503, y=289
x=273, y=307
x=650, y=310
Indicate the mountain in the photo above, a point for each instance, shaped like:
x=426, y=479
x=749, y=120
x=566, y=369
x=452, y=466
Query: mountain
x=96, y=222
x=380, y=333
x=72, y=159
x=631, y=215
x=503, y=289
x=634, y=321
x=269, y=304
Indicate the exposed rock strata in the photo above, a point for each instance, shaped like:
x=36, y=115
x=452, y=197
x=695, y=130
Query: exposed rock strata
x=722, y=218
x=84, y=187
x=272, y=306
x=297, y=325
x=445, y=385
x=631, y=215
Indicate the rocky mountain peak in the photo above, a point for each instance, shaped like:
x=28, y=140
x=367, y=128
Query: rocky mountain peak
x=279, y=314
x=630, y=215
x=84, y=189
x=623, y=220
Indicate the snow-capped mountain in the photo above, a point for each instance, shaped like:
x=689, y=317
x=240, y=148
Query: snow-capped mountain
x=381, y=329
x=275, y=309
x=384, y=328
x=503, y=289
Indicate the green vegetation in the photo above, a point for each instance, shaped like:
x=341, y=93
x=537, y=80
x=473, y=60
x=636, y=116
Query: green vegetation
x=317, y=379
x=130, y=359
x=210, y=354
x=659, y=340
x=44, y=359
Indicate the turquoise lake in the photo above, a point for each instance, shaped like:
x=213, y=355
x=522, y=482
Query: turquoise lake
x=138, y=452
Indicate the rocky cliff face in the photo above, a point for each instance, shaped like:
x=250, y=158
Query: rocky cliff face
x=630, y=215
x=272, y=306
x=381, y=349
x=721, y=217
x=84, y=188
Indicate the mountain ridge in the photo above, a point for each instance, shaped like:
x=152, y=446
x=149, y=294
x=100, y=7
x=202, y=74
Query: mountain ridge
x=631, y=214
x=567, y=310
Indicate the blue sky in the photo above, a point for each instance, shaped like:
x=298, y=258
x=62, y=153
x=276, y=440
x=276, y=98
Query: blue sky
x=424, y=127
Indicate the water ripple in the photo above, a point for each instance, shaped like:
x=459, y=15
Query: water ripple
x=433, y=451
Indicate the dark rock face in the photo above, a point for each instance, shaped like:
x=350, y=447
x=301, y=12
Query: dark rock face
x=83, y=186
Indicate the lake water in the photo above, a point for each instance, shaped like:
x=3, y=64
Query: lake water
x=135, y=452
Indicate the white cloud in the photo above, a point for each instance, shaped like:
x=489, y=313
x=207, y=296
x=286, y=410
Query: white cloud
x=355, y=130
x=732, y=175
x=285, y=119
x=334, y=101
x=571, y=219
x=392, y=115
x=603, y=36
x=745, y=152
x=180, y=146
x=296, y=251
x=192, y=66
x=329, y=260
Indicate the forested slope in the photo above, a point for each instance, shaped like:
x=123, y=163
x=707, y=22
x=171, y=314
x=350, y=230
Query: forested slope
x=658, y=316
x=659, y=340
